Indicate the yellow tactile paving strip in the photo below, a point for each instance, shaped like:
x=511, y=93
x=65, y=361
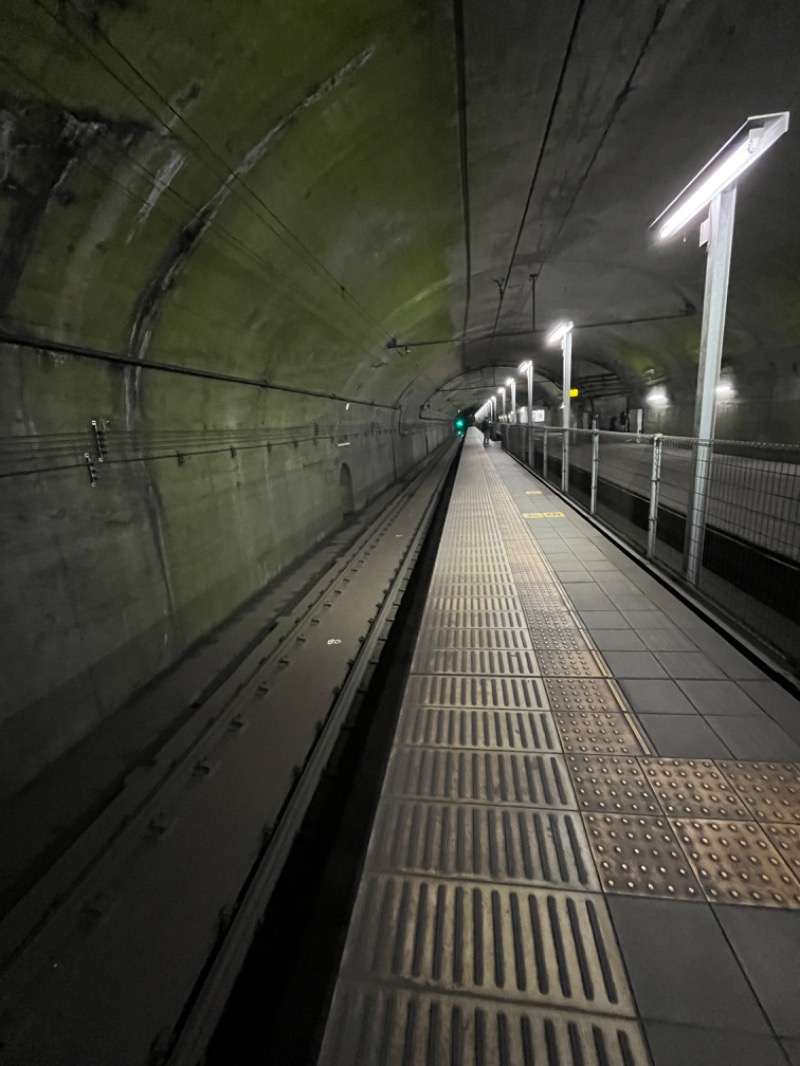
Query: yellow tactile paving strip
x=520, y=790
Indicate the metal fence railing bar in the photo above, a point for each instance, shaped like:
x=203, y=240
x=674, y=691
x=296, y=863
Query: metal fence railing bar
x=745, y=557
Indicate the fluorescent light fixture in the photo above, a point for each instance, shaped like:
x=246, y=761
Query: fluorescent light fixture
x=559, y=333
x=657, y=397
x=725, y=389
x=509, y=382
x=501, y=391
x=748, y=143
x=524, y=366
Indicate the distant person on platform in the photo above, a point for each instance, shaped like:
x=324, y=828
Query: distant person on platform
x=613, y=426
x=623, y=420
x=486, y=429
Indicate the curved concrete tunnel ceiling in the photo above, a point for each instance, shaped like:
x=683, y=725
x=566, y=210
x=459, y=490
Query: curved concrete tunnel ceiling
x=277, y=196
x=230, y=230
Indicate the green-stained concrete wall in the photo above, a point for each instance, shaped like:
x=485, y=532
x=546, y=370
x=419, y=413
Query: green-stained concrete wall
x=236, y=190
x=107, y=585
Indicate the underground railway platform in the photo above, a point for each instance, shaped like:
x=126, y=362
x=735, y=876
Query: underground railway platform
x=560, y=825
x=399, y=533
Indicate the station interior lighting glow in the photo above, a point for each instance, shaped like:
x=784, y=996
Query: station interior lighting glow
x=725, y=390
x=657, y=397
x=748, y=143
x=560, y=331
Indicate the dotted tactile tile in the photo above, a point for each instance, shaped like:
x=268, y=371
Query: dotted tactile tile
x=596, y=733
x=640, y=856
x=582, y=694
x=568, y=638
x=559, y=662
x=611, y=784
x=770, y=790
x=786, y=839
x=693, y=787
x=736, y=863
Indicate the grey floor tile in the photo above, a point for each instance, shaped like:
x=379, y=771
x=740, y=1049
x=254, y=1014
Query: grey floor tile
x=767, y=944
x=600, y=565
x=735, y=664
x=719, y=697
x=777, y=702
x=634, y=664
x=792, y=1049
x=680, y=613
x=688, y=664
x=691, y=1045
x=575, y=577
x=603, y=620
x=590, y=599
x=648, y=619
x=666, y=639
x=681, y=966
x=617, y=640
x=655, y=696
x=751, y=737
x=630, y=601
x=683, y=736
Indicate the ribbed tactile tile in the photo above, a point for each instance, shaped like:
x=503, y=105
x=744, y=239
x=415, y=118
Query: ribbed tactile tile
x=693, y=787
x=439, y=690
x=582, y=694
x=521, y=663
x=391, y=1026
x=735, y=862
x=473, y=603
x=510, y=730
x=786, y=839
x=435, y=639
x=482, y=777
x=446, y=586
x=640, y=856
x=770, y=790
x=475, y=619
x=550, y=948
x=560, y=662
x=611, y=784
x=596, y=733
x=481, y=843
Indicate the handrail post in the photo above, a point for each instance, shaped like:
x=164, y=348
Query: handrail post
x=655, y=479
x=544, y=460
x=595, y=469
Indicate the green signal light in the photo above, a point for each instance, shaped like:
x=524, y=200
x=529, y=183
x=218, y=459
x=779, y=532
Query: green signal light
x=460, y=423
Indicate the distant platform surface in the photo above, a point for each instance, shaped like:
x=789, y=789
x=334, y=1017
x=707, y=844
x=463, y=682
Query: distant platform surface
x=587, y=847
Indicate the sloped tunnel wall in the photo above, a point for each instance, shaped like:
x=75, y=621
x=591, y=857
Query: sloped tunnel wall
x=209, y=234
x=114, y=568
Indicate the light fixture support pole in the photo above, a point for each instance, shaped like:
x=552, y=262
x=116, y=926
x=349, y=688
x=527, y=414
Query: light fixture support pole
x=512, y=416
x=566, y=348
x=718, y=265
x=530, y=413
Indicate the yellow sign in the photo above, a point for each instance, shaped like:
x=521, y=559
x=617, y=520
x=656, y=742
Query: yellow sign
x=545, y=514
x=573, y=393
x=534, y=492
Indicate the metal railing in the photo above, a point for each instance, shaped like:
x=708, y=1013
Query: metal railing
x=743, y=558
